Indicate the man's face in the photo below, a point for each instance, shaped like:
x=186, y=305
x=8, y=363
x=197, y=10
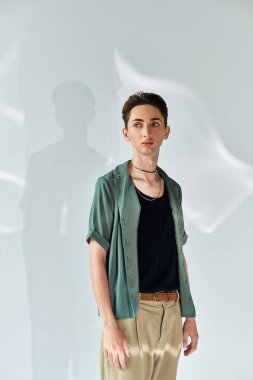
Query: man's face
x=146, y=123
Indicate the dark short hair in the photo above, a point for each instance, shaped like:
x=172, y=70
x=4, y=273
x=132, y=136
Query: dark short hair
x=141, y=98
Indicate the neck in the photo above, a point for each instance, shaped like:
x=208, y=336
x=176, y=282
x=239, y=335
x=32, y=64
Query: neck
x=145, y=163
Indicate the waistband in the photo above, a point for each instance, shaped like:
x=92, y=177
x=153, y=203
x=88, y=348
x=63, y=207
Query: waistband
x=160, y=296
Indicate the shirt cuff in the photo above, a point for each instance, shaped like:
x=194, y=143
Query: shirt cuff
x=185, y=237
x=99, y=239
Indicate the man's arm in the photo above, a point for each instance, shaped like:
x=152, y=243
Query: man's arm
x=189, y=328
x=115, y=345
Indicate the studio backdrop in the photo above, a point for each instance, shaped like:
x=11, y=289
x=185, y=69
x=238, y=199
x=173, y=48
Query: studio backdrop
x=66, y=68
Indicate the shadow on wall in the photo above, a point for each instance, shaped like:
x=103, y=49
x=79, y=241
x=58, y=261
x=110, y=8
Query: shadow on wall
x=56, y=204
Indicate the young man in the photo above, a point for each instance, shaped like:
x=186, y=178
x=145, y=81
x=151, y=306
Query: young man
x=138, y=269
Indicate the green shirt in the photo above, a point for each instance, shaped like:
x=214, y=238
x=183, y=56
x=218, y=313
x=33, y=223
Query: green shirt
x=113, y=223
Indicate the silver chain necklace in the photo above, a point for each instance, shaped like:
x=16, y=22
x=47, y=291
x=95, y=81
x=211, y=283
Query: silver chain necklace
x=153, y=199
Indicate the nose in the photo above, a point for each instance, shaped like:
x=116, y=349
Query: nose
x=146, y=131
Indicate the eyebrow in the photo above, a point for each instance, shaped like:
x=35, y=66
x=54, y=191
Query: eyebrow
x=152, y=118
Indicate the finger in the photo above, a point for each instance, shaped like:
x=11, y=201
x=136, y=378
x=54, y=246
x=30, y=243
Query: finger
x=110, y=358
x=126, y=349
x=116, y=360
x=194, y=341
x=187, y=352
x=185, y=341
x=122, y=361
x=190, y=349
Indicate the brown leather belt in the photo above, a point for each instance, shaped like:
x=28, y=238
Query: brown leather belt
x=160, y=296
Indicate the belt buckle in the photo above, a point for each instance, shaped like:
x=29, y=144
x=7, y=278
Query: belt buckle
x=163, y=291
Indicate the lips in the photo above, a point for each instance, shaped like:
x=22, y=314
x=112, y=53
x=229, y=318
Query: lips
x=147, y=143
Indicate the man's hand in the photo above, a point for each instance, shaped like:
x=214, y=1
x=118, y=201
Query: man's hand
x=116, y=348
x=190, y=330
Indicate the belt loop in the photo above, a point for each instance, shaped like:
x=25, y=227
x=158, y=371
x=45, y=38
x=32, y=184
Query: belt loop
x=155, y=296
x=178, y=295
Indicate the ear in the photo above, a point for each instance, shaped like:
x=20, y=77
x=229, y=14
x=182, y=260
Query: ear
x=166, y=132
x=125, y=134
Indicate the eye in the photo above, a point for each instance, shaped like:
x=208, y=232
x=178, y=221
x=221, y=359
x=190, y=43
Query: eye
x=137, y=125
x=155, y=124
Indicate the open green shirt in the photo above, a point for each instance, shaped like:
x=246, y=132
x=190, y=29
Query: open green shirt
x=113, y=223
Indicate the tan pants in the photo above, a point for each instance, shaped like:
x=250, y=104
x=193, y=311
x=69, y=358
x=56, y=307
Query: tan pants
x=155, y=342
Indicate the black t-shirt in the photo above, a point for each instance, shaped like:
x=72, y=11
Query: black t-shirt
x=157, y=251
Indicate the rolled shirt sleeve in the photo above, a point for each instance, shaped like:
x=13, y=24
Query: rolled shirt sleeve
x=101, y=214
x=185, y=237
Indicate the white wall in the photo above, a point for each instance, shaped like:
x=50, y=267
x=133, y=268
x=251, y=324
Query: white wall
x=55, y=143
